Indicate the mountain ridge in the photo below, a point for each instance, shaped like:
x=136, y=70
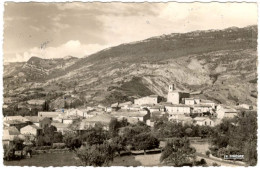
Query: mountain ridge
x=217, y=64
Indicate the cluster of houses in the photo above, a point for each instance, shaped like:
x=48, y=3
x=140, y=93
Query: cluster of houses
x=179, y=108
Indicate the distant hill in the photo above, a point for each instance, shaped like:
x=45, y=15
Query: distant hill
x=216, y=64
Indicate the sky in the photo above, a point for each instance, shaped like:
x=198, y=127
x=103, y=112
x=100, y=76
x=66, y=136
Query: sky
x=56, y=30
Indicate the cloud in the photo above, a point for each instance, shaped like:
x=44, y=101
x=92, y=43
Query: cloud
x=72, y=48
x=88, y=27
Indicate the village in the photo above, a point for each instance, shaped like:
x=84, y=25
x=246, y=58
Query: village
x=179, y=108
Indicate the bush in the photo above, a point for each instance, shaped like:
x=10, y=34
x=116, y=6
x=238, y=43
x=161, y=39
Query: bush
x=202, y=162
x=215, y=164
x=207, y=153
x=58, y=145
x=43, y=148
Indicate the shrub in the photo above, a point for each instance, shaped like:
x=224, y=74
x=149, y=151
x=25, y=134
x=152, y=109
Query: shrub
x=43, y=148
x=215, y=164
x=58, y=145
x=208, y=153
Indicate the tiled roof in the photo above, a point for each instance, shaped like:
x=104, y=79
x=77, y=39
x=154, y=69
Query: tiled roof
x=179, y=91
x=14, y=122
x=202, y=105
x=32, y=126
x=200, y=118
x=20, y=118
x=13, y=130
x=177, y=105
x=34, y=119
x=48, y=114
x=189, y=98
x=60, y=125
x=153, y=96
x=128, y=114
x=125, y=103
x=206, y=101
x=103, y=118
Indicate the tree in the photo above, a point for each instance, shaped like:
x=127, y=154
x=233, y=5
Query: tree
x=145, y=141
x=45, y=106
x=72, y=140
x=113, y=127
x=57, y=138
x=205, y=131
x=96, y=155
x=129, y=132
x=94, y=135
x=50, y=130
x=40, y=141
x=178, y=153
x=208, y=153
x=9, y=152
x=188, y=131
x=119, y=143
x=237, y=136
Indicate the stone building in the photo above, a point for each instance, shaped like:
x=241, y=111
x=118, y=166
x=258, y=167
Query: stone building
x=175, y=97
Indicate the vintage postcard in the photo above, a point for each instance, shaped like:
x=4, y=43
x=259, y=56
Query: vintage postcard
x=129, y=84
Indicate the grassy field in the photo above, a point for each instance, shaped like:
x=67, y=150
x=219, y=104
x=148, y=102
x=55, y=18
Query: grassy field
x=201, y=147
x=150, y=159
x=46, y=160
x=126, y=161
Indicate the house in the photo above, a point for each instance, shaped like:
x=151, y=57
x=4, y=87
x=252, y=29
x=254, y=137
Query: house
x=69, y=119
x=18, y=118
x=74, y=112
x=125, y=105
x=152, y=99
x=135, y=107
x=9, y=100
x=61, y=127
x=102, y=119
x=202, y=108
x=157, y=113
x=49, y=114
x=246, y=106
x=114, y=105
x=155, y=108
x=197, y=100
x=5, y=106
x=175, y=97
x=203, y=121
x=45, y=122
x=66, y=119
x=177, y=109
x=10, y=134
x=132, y=116
x=108, y=109
x=182, y=119
x=189, y=101
x=150, y=123
x=31, y=130
x=208, y=102
x=100, y=107
x=34, y=120
x=225, y=112
x=15, y=123
x=36, y=102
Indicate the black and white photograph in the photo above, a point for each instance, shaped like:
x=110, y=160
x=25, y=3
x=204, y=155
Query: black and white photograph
x=130, y=84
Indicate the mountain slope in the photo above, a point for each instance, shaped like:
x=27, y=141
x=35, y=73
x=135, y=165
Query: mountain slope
x=218, y=64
